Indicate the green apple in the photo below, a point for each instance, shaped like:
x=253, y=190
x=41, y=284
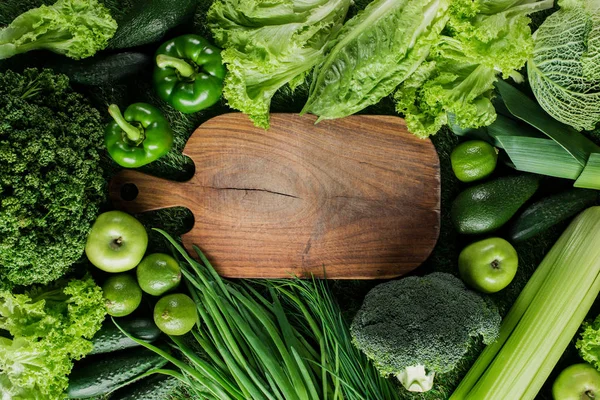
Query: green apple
x=117, y=242
x=488, y=265
x=577, y=382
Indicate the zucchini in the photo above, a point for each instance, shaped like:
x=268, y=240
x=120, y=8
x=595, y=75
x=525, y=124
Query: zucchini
x=155, y=387
x=103, y=69
x=110, y=339
x=550, y=211
x=149, y=21
x=103, y=374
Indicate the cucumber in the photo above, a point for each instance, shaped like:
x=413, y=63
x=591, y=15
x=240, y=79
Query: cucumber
x=155, y=387
x=103, y=374
x=149, y=21
x=550, y=211
x=110, y=338
x=103, y=69
x=488, y=206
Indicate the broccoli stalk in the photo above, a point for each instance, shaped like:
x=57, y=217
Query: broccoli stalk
x=417, y=327
x=416, y=378
x=75, y=28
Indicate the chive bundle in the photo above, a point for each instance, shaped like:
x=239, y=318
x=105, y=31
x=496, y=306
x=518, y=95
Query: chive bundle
x=290, y=343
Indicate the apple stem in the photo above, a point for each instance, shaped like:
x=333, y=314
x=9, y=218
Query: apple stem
x=495, y=264
x=590, y=394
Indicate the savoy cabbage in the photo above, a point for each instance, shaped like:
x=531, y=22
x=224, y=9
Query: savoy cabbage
x=564, y=69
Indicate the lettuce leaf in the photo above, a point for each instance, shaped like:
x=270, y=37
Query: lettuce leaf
x=49, y=327
x=482, y=41
x=267, y=44
x=375, y=51
x=75, y=28
x=564, y=69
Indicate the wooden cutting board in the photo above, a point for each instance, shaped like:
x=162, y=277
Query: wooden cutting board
x=353, y=198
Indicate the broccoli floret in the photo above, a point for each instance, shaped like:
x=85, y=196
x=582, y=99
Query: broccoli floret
x=415, y=327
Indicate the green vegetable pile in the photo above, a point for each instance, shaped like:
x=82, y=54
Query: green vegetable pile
x=436, y=62
x=51, y=181
x=49, y=328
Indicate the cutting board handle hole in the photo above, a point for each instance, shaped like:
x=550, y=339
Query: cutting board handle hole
x=129, y=192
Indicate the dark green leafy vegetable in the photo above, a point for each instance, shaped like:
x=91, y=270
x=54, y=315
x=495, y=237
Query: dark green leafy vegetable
x=49, y=328
x=75, y=28
x=51, y=183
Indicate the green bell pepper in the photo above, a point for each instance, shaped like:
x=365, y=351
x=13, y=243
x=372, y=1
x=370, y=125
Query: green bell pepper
x=139, y=136
x=189, y=73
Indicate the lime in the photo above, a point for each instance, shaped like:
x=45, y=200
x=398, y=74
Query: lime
x=123, y=295
x=473, y=160
x=175, y=314
x=158, y=273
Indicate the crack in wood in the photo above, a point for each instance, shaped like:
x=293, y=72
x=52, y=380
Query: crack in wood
x=255, y=190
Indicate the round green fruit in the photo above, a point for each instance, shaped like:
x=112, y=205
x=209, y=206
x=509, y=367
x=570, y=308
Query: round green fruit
x=117, y=242
x=122, y=294
x=488, y=265
x=577, y=382
x=473, y=160
x=175, y=314
x=158, y=273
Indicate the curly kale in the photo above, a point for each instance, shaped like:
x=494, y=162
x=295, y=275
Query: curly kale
x=51, y=183
x=416, y=327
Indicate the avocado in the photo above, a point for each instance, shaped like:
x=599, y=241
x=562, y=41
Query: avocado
x=488, y=206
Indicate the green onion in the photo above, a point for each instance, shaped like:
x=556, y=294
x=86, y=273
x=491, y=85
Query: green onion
x=288, y=342
x=543, y=320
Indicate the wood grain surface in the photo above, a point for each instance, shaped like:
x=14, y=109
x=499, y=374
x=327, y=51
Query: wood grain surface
x=353, y=198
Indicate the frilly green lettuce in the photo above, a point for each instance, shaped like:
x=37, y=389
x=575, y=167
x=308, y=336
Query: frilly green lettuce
x=75, y=28
x=267, y=44
x=564, y=70
x=588, y=343
x=49, y=328
x=483, y=40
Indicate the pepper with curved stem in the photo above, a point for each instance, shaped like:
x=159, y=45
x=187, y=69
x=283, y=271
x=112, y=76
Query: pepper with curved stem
x=189, y=73
x=139, y=136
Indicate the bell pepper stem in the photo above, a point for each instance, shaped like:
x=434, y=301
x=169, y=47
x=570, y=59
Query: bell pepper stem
x=184, y=68
x=133, y=133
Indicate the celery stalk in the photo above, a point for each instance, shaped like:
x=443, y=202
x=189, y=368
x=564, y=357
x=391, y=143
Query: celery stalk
x=508, y=325
x=559, y=348
x=578, y=255
x=543, y=320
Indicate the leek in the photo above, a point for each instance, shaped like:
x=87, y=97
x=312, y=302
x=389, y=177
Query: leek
x=543, y=320
x=562, y=153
